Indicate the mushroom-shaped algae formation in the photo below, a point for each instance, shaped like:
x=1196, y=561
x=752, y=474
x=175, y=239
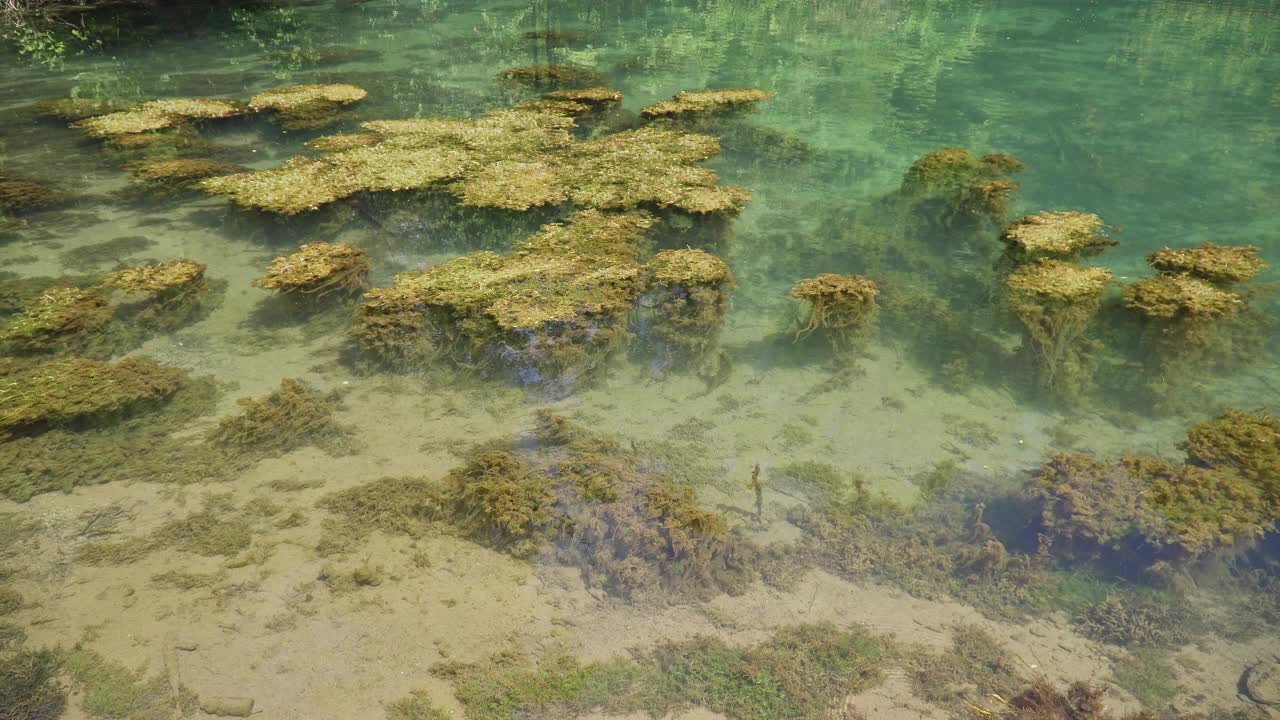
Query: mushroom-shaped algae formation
x=60, y=319
x=159, y=114
x=843, y=307
x=1055, y=301
x=75, y=389
x=706, y=102
x=307, y=107
x=554, y=76
x=690, y=298
x=175, y=290
x=317, y=269
x=1063, y=235
x=1223, y=265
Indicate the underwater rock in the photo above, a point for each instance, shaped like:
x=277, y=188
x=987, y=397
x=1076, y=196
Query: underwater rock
x=554, y=76
x=157, y=115
x=689, y=299
x=307, y=107
x=1055, y=301
x=1220, y=264
x=1063, y=235
x=843, y=307
x=24, y=196
x=705, y=101
x=319, y=268
x=62, y=391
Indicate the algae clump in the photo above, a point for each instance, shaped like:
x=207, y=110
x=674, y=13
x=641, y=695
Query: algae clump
x=705, y=102
x=60, y=318
x=307, y=107
x=63, y=391
x=290, y=417
x=1222, y=264
x=842, y=307
x=554, y=76
x=1056, y=301
x=18, y=196
x=158, y=115
x=317, y=269
x=1058, y=234
x=689, y=300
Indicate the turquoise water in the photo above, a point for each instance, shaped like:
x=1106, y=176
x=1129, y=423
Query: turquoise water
x=1163, y=118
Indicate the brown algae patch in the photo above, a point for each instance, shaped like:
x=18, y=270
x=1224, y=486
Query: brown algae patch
x=1065, y=235
x=157, y=278
x=1221, y=264
x=19, y=196
x=319, y=268
x=554, y=76
x=971, y=187
x=181, y=171
x=843, y=307
x=60, y=318
x=1174, y=297
x=65, y=390
x=706, y=102
x=689, y=300
x=157, y=115
x=1056, y=301
x=290, y=417
x=587, y=96
x=306, y=107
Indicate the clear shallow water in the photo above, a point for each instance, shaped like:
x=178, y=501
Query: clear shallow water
x=1160, y=117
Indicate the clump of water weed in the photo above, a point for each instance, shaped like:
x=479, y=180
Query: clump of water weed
x=307, y=107
x=110, y=691
x=1148, y=675
x=169, y=174
x=60, y=319
x=29, y=686
x=18, y=196
x=705, y=102
x=689, y=297
x=970, y=188
x=1131, y=619
x=842, y=307
x=76, y=390
x=293, y=416
x=1221, y=264
x=158, y=115
x=1041, y=700
x=555, y=76
x=1247, y=443
x=598, y=95
x=318, y=269
x=174, y=293
x=1056, y=301
x=1056, y=234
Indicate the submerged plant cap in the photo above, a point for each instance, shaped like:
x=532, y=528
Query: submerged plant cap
x=950, y=168
x=589, y=96
x=181, y=169
x=1216, y=263
x=593, y=233
x=159, y=114
x=26, y=195
x=1057, y=280
x=836, y=289
x=156, y=277
x=314, y=265
x=1169, y=296
x=705, y=101
x=57, y=310
x=689, y=268
x=66, y=389
x=568, y=108
x=296, y=97
x=554, y=75
x=1058, y=233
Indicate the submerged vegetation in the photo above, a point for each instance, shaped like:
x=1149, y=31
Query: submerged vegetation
x=1056, y=301
x=319, y=269
x=842, y=307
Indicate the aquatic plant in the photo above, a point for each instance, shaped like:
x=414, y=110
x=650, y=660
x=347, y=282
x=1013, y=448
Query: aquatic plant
x=598, y=95
x=1042, y=700
x=567, y=108
x=29, y=687
x=1220, y=264
x=705, y=101
x=60, y=318
x=554, y=76
x=109, y=691
x=974, y=659
x=1057, y=234
x=63, y=391
x=307, y=107
x=689, y=299
x=176, y=292
x=158, y=115
x=19, y=196
x=843, y=307
x=1056, y=301
x=293, y=416
x=180, y=172
x=417, y=706
x=318, y=269
x=1147, y=674
x=1247, y=443
x=970, y=187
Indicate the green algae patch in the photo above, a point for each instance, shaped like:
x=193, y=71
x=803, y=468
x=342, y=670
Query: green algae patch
x=1064, y=235
x=30, y=687
x=293, y=416
x=842, y=307
x=554, y=76
x=318, y=269
x=307, y=107
x=951, y=169
x=706, y=102
x=158, y=115
x=342, y=141
x=19, y=196
x=1056, y=301
x=63, y=391
x=1220, y=264
x=176, y=275
x=210, y=533
x=596, y=96
x=688, y=299
x=59, y=318
x=592, y=233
